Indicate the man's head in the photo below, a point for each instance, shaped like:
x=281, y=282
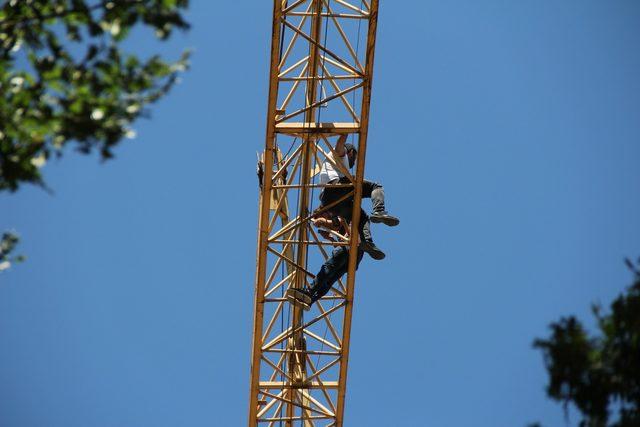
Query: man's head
x=352, y=153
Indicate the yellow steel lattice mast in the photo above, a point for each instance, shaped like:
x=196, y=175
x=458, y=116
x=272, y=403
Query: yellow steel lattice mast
x=320, y=88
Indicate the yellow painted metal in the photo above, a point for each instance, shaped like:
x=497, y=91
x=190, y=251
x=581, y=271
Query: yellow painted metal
x=319, y=88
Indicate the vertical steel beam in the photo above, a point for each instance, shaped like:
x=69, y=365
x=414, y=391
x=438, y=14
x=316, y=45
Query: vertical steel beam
x=305, y=177
x=263, y=224
x=364, y=127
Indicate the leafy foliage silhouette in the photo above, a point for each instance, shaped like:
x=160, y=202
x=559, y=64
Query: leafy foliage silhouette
x=8, y=242
x=66, y=80
x=599, y=374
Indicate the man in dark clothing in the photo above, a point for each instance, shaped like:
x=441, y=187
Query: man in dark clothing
x=344, y=210
x=333, y=268
x=370, y=190
x=332, y=172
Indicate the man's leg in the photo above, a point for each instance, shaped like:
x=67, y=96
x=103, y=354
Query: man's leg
x=336, y=267
x=375, y=192
x=366, y=240
x=332, y=270
x=329, y=273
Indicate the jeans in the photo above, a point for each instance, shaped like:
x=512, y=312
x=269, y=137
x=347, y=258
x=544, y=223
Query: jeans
x=331, y=271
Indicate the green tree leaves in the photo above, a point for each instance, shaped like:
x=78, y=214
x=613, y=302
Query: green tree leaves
x=8, y=243
x=600, y=374
x=64, y=78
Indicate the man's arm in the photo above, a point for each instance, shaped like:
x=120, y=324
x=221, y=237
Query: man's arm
x=329, y=228
x=322, y=222
x=344, y=226
x=340, y=150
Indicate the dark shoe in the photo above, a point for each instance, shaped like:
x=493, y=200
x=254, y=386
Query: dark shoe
x=300, y=294
x=373, y=251
x=298, y=302
x=385, y=218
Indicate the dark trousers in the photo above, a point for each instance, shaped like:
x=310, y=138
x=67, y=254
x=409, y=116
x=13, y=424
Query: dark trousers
x=370, y=190
x=331, y=271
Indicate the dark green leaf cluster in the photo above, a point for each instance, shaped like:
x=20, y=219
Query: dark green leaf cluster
x=599, y=374
x=64, y=77
x=8, y=243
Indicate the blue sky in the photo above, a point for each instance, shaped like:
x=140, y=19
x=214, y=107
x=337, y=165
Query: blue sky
x=507, y=136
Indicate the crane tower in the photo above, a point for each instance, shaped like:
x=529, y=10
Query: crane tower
x=321, y=69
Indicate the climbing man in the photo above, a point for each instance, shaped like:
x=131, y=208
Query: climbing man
x=332, y=173
x=333, y=268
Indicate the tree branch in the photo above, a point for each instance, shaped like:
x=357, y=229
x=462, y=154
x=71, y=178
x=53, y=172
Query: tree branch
x=65, y=13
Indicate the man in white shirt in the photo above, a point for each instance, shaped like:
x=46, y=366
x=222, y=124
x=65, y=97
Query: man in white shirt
x=332, y=172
